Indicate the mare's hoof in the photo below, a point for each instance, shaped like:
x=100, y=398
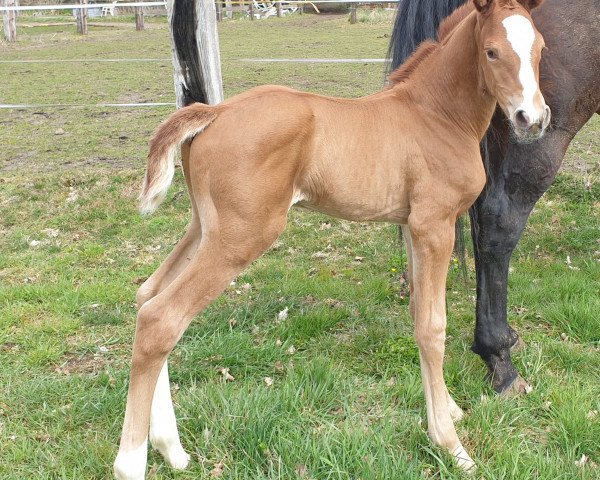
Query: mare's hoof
x=518, y=387
x=518, y=345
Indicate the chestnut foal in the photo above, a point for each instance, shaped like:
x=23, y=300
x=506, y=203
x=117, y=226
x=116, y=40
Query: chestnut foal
x=406, y=155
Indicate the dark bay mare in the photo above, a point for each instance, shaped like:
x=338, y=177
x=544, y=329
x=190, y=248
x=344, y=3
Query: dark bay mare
x=517, y=174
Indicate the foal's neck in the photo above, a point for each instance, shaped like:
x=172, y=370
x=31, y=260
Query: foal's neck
x=447, y=83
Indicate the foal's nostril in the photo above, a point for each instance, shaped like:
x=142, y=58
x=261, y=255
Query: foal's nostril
x=522, y=119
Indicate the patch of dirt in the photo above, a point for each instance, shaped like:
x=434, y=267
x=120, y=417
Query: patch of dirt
x=83, y=363
x=20, y=161
x=98, y=162
x=133, y=97
x=9, y=347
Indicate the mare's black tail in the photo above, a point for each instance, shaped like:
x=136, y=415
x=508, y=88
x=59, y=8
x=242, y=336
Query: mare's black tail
x=197, y=60
x=183, y=28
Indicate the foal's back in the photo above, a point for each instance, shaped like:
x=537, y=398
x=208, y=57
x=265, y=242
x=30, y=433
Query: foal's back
x=358, y=159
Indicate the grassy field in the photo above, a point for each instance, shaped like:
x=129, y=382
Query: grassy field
x=346, y=400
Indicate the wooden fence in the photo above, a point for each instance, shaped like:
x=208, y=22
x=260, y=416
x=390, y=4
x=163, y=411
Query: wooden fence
x=254, y=9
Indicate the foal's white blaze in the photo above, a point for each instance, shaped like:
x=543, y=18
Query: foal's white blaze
x=520, y=34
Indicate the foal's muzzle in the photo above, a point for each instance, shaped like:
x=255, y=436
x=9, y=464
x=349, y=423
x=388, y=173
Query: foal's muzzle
x=526, y=129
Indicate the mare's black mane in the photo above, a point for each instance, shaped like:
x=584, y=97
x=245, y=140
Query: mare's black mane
x=416, y=22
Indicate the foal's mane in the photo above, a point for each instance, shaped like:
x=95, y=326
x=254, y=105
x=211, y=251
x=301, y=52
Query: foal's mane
x=426, y=48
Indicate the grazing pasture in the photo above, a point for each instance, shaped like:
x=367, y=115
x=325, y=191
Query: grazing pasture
x=306, y=367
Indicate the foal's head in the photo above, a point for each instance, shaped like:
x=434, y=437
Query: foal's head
x=510, y=49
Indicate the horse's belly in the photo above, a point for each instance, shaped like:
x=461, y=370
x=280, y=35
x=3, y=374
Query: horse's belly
x=361, y=197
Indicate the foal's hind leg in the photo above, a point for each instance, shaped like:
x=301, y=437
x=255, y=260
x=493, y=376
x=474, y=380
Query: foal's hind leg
x=173, y=265
x=455, y=411
x=183, y=252
x=221, y=256
x=431, y=248
x=164, y=435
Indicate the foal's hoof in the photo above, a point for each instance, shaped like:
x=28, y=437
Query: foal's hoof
x=463, y=460
x=172, y=452
x=131, y=465
x=178, y=459
x=518, y=387
x=456, y=413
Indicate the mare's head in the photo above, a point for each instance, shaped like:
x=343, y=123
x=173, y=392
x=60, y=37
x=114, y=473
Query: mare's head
x=510, y=50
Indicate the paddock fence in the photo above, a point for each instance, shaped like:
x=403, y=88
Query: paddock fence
x=251, y=8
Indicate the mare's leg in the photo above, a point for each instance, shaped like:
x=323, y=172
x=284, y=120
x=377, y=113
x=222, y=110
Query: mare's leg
x=227, y=247
x=431, y=247
x=455, y=411
x=517, y=178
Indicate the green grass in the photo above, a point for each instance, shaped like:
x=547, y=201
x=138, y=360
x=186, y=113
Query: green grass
x=348, y=402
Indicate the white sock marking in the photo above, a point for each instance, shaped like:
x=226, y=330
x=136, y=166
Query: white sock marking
x=132, y=465
x=164, y=435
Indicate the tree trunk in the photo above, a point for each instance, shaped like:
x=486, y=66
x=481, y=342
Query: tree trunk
x=353, y=13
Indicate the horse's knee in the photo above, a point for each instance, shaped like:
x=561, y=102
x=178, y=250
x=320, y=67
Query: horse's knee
x=144, y=293
x=430, y=335
x=157, y=333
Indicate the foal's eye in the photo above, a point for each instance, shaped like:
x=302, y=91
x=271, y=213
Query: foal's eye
x=491, y=54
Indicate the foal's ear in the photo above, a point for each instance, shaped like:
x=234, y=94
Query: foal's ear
x=483, y=6
x=531, y=4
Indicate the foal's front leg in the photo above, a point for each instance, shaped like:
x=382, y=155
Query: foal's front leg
x=431, y=246
x=455, y=411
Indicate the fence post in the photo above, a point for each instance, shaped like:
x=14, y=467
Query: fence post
x=10, y=21
x=219, y=7
x=251, y=10
x=228, y=9
x=353, y=13
x=279, y=9
x=82, y=15
x=139, y=18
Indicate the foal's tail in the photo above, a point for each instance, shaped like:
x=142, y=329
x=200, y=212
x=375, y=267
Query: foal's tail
x=182, y=125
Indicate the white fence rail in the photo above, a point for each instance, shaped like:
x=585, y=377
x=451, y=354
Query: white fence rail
x=158, y=4
x=137, y=5
x=87, y=6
